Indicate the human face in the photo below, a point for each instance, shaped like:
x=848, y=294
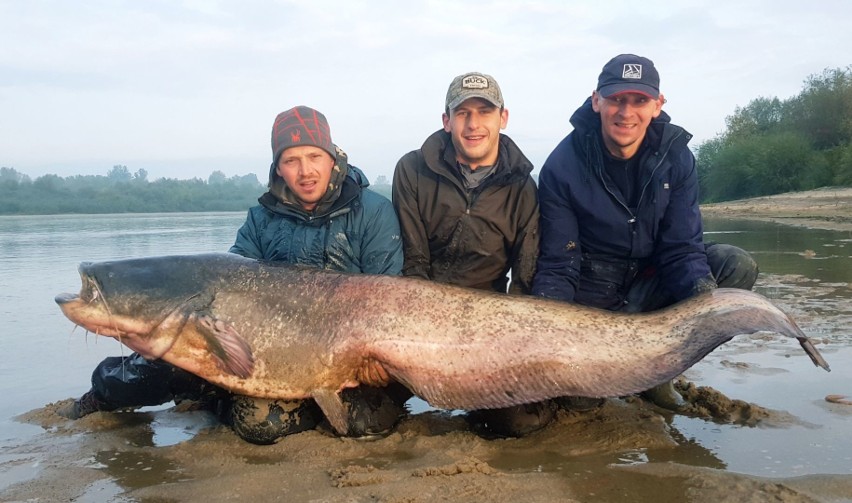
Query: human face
x=474, y=127
x=306, y=170
x=624, y=120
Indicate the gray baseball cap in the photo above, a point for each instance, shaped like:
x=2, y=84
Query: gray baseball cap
x=473, y=85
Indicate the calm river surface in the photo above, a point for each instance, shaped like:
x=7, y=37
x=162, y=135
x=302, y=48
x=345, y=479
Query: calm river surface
x=807, y=272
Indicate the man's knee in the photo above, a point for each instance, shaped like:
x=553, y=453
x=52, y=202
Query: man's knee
x=374, y=411
x=514, y=421
x=132, y=381
x=732, y=267
x=262, y=421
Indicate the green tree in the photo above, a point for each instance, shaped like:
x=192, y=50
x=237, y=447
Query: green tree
x=823, y=110
x=842, y=172
x=772, y=146
x=119, y=173
x=217, y=178
x=760, y=116
x=382, y=180
x=249, y=180
x=49, y=184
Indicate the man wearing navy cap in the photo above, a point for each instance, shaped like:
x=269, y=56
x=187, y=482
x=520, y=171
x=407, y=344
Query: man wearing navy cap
x=620, y=224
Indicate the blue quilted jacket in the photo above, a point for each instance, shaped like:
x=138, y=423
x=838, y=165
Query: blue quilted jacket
x=358, y=232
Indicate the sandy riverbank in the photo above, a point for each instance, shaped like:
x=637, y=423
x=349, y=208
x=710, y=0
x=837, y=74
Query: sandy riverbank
x=826, y=208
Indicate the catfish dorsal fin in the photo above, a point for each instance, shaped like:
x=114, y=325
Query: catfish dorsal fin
x=333, y=408
x=231, y=351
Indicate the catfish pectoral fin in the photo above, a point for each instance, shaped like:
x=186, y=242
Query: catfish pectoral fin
x=232, y=353
x=373, y=373
x=333, y=408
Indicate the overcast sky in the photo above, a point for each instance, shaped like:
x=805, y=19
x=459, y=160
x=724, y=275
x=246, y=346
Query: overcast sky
x=183, y=88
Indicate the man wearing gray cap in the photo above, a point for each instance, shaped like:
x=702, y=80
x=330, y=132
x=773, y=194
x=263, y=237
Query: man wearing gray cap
x=468, y=213
x=620, y=224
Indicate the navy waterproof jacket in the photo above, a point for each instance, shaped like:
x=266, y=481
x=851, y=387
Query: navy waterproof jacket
x=586, y=224
x=358, y=232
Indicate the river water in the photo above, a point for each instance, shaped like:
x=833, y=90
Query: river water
x=806, y=272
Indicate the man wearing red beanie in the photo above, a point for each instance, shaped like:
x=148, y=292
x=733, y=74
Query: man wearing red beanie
x=317, y=212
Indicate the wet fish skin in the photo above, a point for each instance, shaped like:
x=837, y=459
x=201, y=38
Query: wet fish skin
x=287, y=332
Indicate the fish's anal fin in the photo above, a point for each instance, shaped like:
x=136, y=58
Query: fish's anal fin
x=232, y=353
x=333, y=408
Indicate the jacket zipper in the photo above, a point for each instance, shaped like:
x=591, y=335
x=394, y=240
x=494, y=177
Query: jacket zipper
x=632, y=218
x=663, y=154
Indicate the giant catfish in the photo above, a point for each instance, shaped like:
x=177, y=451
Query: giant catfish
x=279, y=331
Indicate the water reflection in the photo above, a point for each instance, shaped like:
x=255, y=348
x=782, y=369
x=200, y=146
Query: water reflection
x=137, y=468
x=816, y=254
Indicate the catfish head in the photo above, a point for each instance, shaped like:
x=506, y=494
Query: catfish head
x=146, y=303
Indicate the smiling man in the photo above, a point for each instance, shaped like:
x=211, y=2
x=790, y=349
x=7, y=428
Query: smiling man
x=468, y=213
x=620, y=223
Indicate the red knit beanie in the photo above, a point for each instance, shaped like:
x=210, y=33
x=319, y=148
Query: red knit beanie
x=300, y=126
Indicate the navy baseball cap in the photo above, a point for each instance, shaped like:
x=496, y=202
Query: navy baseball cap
x=629, y=73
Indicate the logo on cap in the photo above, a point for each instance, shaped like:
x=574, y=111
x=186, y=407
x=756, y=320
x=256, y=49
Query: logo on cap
x=632, y=71
x=475, y=82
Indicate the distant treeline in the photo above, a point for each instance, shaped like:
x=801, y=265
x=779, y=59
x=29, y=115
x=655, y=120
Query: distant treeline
x=122, y=192
x=772, y=146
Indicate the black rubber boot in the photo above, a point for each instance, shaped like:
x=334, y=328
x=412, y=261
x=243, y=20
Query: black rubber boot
x=83, y=406
x=375, y=411
x=262, y=421
x=514, y=421
x=665, y=396
x=579, y=403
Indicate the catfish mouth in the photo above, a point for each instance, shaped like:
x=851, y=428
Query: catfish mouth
x=143, y=322
x=89, y=309
x=93, y=318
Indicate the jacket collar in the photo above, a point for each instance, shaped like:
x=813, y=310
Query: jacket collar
x=660, y=132
x=340, y=201
x=440, y=157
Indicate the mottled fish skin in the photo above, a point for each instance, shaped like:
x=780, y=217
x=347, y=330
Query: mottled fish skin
x=279, y=331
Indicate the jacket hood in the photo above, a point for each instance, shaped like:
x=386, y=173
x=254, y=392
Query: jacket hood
x=440, y=156
x=345, y=184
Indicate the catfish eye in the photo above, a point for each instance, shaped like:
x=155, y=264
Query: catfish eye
x=92, y=292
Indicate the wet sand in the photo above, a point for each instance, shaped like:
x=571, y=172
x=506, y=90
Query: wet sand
x=605, y=454
x=431, y=456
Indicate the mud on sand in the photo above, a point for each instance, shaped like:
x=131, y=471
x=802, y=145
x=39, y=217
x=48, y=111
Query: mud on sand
x=430, y=456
